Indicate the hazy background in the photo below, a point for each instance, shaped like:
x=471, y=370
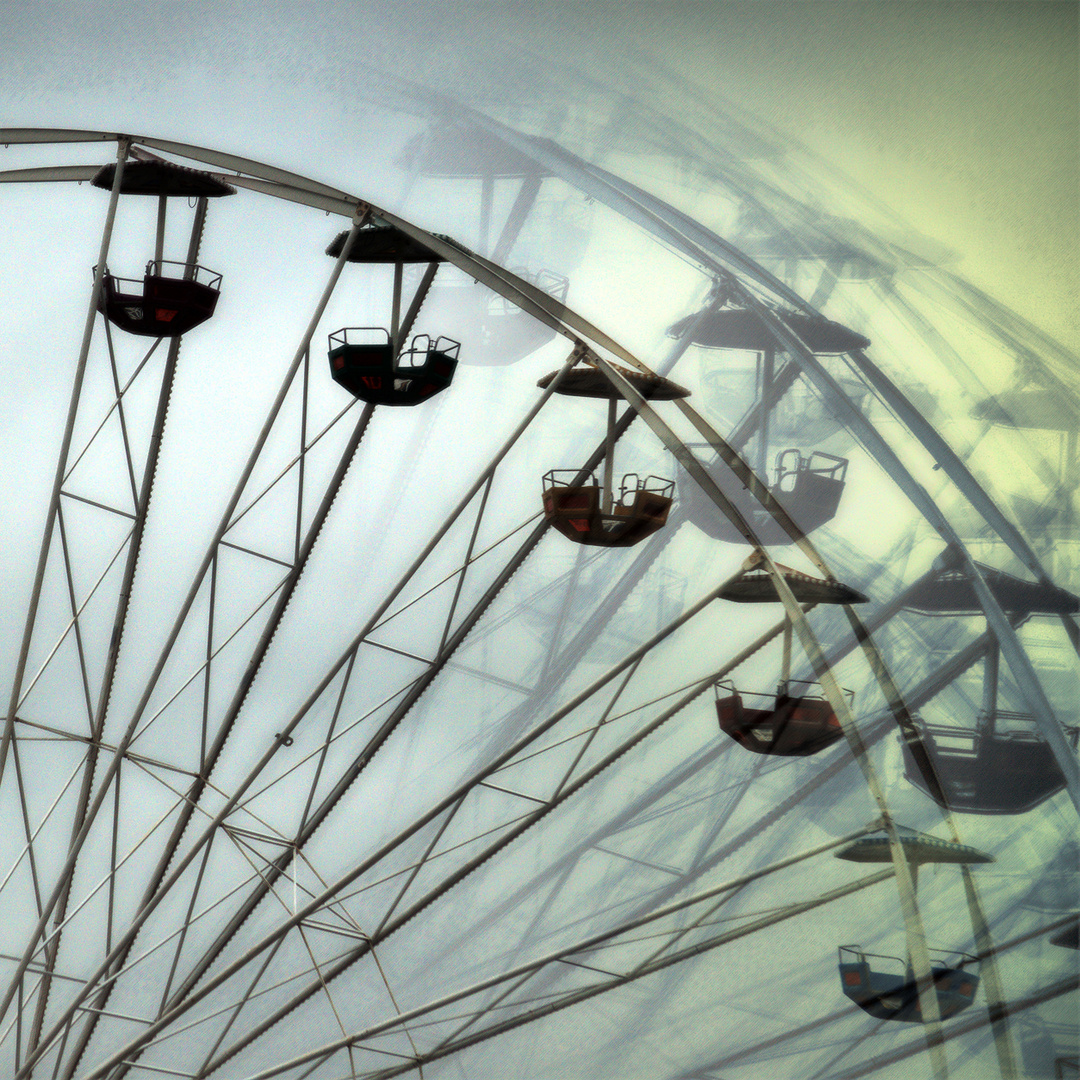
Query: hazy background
x=961, y=116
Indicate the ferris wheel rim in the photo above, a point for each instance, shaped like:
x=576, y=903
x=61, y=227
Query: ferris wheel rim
x=420, y=231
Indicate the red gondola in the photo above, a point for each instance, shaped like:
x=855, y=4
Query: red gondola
x=791, y=727
x=160, y=305
x=589, y=513
x=576, y=510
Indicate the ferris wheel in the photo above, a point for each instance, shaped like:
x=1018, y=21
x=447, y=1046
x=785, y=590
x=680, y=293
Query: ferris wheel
x=365, y=720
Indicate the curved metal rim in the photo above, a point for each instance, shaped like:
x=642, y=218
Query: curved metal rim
x=295, y=188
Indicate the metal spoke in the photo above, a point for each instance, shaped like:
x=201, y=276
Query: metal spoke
x=84, y=352
x=80, y=648
x=581, y=946
x=478, y=860
x=517, y=707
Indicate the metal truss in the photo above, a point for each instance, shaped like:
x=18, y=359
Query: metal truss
x=247, y=921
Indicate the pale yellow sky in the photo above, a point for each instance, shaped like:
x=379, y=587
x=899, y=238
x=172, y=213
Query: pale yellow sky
x=963, y=116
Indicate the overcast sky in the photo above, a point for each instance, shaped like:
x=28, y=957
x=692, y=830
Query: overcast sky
x=962, y=116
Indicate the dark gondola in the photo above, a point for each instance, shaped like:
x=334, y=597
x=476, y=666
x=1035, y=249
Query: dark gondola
x=808, y=488
x=589, y=513
x=464, y=152
x=918, y=848
x=384, y=244
x=164, y=179
x=362, y=360
x=497, y=332
x=172, y=297
x=984, y=770
x=369, y=361
x=791, y=727
x=1034, y=407
x=160, y=305
x=741, y=328
x=1069, y=938
x=893, y=996
x=987, y=769
x=950, y=591
x=756, y=586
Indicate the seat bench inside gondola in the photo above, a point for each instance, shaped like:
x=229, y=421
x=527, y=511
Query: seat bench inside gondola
x=362, y=360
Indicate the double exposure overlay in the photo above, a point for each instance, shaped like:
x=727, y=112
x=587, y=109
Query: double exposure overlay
x=475, y=615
